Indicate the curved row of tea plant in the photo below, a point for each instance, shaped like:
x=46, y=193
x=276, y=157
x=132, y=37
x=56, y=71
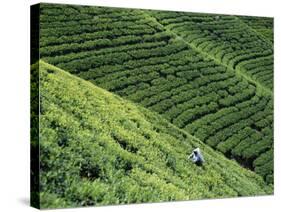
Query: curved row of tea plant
x=131, y=54
x=261, y=25
x=227, y=39
x=98, y=149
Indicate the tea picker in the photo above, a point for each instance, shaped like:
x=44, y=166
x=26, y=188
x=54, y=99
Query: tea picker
x=197, y=157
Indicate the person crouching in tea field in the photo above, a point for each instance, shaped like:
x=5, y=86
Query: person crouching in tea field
x=197, y=157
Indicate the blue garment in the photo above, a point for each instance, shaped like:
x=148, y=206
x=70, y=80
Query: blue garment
x=197, y=157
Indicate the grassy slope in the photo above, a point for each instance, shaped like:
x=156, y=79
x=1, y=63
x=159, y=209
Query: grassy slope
x=97, y=148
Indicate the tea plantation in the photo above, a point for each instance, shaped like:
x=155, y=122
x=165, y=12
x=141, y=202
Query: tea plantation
x=209, y=75
x=97, y=148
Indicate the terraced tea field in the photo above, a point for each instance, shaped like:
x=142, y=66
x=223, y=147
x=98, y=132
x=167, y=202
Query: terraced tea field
x=208, y=77
x=228, y=40
x=97, y=149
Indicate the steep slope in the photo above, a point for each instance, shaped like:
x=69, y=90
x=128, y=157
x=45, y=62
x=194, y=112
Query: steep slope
x=97, y=148
x=180, y=65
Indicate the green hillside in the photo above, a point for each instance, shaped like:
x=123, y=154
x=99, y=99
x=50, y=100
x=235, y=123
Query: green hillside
x=97, y=148
x=233, y=41
x=209, y=75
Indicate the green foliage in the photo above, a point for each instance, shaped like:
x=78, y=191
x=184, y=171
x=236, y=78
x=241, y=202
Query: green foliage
x=211, y=75
x=97, y=149
x=235, y=41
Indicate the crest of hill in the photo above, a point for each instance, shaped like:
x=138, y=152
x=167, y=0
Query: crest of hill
x=97, y=149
